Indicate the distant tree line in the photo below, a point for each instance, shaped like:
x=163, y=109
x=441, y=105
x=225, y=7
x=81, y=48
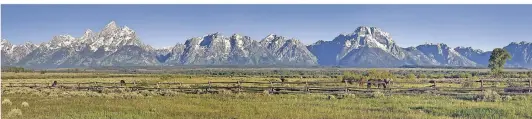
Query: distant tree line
x=15, y=69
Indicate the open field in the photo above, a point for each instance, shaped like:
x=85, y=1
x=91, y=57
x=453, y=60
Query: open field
x=161, y=102
x=246, y=106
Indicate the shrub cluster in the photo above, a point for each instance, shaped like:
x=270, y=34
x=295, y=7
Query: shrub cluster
x=6, y=102
x=377, y=94
x=488, y=96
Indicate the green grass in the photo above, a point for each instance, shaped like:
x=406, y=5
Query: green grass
x=246, y=106
x=54, y=104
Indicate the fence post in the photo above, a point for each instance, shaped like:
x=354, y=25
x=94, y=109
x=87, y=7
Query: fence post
x=346, y=89
x=238, y=82
x=271, y=86
x=209, y=86
x=529, y=85
x=306, y=86
x=482, y=84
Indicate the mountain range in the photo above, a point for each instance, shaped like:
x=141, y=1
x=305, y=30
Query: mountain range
x=365, y=47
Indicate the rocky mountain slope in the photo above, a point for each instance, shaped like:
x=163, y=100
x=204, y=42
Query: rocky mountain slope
x=113, y=46
x=365, y=47
x=216, y=49
x=372, y=47
x=521, y=57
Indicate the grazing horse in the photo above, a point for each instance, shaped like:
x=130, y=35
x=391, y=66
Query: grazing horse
x=349, y=80
x=433, y=83
x=370, y=81
x=361, y=82
x=122, y=83
x=54, y=84
x=385, y=83
x=378, y=82
x=516, y=90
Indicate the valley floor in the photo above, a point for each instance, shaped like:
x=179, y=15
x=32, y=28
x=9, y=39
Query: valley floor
x=248, y=106
x=75, y=104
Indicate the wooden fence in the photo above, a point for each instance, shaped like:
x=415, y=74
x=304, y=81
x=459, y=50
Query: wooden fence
x=443, y=87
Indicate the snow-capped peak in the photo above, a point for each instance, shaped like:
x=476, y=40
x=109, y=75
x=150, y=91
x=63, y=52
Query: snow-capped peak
x=112, y=36
x=367, y=37
x=167, y=47
x=272, y=38
x=110, y=29
x=236, y=36
x=215, y=34
x=6, y=46
x=87, y=35
x=4, y=41
x=520, y=43
x=111, y=24
x=61, y=41
x=28, y=43
x=88, y=32
x=363, y=30
x=469, y=49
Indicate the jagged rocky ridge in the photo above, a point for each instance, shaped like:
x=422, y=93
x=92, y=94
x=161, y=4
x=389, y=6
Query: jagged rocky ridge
x=238, y=50
x=365, y=47
x=119, y=46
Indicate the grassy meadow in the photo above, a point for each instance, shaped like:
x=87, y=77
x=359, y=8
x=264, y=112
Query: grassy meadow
x=62, y=104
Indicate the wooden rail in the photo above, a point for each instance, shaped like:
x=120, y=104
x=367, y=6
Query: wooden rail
x=432, y=86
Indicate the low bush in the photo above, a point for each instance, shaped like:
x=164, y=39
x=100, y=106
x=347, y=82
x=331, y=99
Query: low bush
x=147, y=93
x=14, y=112
x=25, y=104
x=377, y=94
x=488, y=96
x=6, y=102
x=507, y=98
x=266, y=92
x=225, y=92
x=167, y=93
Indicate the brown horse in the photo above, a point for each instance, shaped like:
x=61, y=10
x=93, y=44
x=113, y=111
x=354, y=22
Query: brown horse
x=122, y=83
x=54, y=84
x=379, y=83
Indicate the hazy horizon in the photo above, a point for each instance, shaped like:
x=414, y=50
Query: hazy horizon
x=479, y=26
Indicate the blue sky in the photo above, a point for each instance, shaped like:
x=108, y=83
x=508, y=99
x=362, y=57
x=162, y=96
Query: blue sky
x=480, y=26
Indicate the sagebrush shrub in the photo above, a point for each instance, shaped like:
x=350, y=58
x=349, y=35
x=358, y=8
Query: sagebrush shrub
x=168, y=93
x=25, y=104
x=506, y=98
x=266, y=92
x=14, y=112
x=226, y=92
x=349, y=95
x=488, y=96
x=107, y=91
x=377, y=94
x=6, y=102
x=146, y=93
x=130, y=95
x=119, y=90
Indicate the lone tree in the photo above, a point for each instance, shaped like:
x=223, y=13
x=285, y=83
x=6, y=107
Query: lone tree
x=498, y=59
